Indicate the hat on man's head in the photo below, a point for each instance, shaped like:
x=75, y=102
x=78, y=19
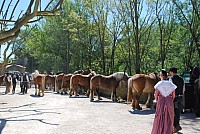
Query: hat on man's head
x=173, y=69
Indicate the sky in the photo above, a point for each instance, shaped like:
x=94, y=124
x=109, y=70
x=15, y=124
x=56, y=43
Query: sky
x=22, y=5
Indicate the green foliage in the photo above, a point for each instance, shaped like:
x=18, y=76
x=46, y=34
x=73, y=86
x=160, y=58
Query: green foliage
x=84, y=34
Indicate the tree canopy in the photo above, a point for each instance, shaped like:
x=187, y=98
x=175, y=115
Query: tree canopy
x=137, y=36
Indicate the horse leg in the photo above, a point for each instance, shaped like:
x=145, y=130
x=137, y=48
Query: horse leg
x=133, y=102
x=114, y=95
x=76, y=90
x=137, y=105
x=35, y=89
x=88, y=92
x=148, y=100
x=98, y=94
x=92, y=94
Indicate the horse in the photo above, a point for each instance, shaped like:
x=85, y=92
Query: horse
x=80, y=80
x=65, y=82
x=108, y=82
x=195, y=79
x=50, y=81
x=138, y=84
x=39, y=82
x=58, y=82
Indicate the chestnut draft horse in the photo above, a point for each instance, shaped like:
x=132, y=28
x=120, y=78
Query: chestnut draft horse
x=141, y=83
x=39, y=82
x=195, y=78
x=50, y=81
x=80, y=80
x=110, y=82
x=58, y=82
x=65, y=83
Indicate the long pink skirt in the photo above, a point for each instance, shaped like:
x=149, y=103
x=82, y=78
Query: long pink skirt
x=164, y=117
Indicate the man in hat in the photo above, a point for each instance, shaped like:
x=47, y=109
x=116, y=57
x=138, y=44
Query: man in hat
x=178, y=81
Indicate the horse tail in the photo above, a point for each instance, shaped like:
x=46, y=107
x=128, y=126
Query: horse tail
x=56, y=86
x=91, y=83
x=130, y=94
x=43, y=85
x=71, y=83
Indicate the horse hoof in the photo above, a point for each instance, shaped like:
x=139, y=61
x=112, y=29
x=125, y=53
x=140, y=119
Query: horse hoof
x=99, y=98
x=77, y=95
x=91, y=100
x=148, y=106
x=61, y=93
x=140, y=108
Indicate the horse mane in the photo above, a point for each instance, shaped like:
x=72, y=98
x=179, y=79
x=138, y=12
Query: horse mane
x=36, y=73
x=120, y=75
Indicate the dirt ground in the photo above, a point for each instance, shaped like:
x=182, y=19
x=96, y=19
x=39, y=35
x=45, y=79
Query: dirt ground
x=59, y=114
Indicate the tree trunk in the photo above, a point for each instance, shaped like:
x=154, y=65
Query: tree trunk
x=137, y=58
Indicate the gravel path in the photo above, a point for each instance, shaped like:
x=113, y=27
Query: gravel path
x=59, y=114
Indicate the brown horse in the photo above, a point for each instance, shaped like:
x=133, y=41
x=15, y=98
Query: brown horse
x=39, y=82
x=108, y=82
x=80, y=80
x=58, y=83
x=65, y=82
x=50, y=81
x=195, y=79
x=138, y=84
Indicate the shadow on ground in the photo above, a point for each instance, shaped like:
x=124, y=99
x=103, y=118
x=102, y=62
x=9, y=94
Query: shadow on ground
x=142, y=112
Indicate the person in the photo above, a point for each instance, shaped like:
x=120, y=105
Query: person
x=25, y=83
x=14, y=82
x=179, y=82
x=21, y=82
x=7, y=80
x=164, y=96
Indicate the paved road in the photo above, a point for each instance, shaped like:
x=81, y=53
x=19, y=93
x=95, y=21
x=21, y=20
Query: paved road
x=59, y=114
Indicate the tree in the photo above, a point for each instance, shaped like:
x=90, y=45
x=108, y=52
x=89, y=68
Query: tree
x=33, y=10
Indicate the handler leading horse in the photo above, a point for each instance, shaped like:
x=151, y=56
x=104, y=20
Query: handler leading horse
x=108, y=82
x=138, y=84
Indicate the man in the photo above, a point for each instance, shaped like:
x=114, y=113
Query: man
x=25, y=83
x=178, y=81
x=14, y=82
x=21, y=82
x=7, y=80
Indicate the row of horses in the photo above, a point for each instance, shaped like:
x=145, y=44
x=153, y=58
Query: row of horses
x=93, y=82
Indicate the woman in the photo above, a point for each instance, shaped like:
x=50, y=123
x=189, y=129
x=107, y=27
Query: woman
x=164, y=96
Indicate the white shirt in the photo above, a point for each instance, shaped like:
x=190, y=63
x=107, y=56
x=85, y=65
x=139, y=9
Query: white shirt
x=165, y=87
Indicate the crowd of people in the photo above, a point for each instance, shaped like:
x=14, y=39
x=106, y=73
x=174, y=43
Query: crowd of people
x=11, y=80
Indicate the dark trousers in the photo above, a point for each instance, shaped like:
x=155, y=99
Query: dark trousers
x=177, y=110
x=25, y=87
x=14, y=86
